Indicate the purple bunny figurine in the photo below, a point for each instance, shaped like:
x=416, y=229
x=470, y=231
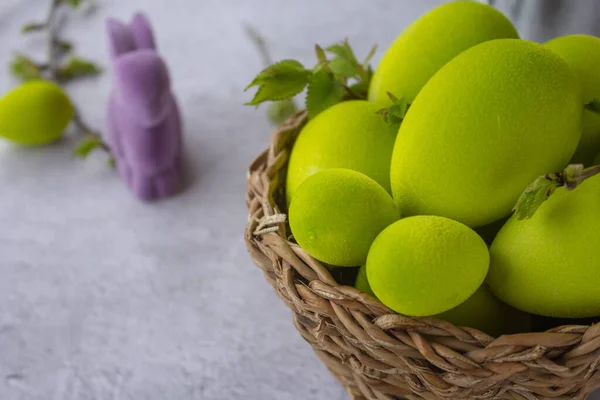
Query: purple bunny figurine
x=144, y=125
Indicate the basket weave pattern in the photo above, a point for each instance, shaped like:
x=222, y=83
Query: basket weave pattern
x=378, y=354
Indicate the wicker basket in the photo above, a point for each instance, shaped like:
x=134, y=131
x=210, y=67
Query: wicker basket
x=378, y=354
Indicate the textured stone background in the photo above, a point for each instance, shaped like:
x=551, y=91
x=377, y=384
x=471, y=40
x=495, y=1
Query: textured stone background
x=103, y=297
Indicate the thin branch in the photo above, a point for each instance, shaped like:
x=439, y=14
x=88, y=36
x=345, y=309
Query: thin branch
x=86, y=130
x=571, y=183
x=52, y=32
x=260, y=44
x=589, y=172
x=51, y=68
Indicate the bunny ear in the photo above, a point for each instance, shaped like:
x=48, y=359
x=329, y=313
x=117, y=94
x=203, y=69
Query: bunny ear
x=120, y=40
x=141, y=31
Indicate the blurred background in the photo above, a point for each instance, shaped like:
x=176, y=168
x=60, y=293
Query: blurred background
x=105, y=297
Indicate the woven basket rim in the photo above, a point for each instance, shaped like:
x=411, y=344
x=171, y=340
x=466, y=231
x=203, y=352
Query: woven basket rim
x=379, y=354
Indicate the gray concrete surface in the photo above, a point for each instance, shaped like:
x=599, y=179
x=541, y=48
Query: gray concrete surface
x=105, y=298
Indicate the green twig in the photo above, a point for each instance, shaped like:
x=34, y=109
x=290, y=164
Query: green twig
x=52, y=38
x=84, y=128
x=334, y=79
x=52, y=70
x=260, y=44
x=543, y=187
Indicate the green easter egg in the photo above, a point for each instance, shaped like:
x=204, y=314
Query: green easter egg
x=362, y=283
x=485, y=312
x=35, y=113
x=430, y=42
x=348, y=135
x=582, y=52
x=337, y=213
x=425, y=265
x=478, y=133
x=550, y=264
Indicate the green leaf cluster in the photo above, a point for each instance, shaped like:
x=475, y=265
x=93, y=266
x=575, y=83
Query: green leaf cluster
x=337, y=75
x=60, y=69
x=394, y=114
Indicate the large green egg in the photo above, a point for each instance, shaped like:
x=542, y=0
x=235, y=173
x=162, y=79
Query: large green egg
x=550, y=264
x=484, y=127
x=337, y=213
x=430, y=42
x=348, y=135
x=582, y=52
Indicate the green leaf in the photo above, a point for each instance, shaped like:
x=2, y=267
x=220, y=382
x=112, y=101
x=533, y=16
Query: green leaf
x=320, y=54
x=399, y=106
x=77, y=68
x=343, y=68
x=25, y=68
x=393, y=98
x=278, y=90
x=535, y=195
x=593, y=106
x=370, y=55
x=32, y=27
x=112, y=162
x=279, y=111
x=74, y=3
x=394, y=114
x=280, y=71
x=280, y=81
x=389, y=118
x=399, y=110
x=64, y=46
x=86, y=146
x=343, y=50
x=369, y=75
x=384, y=114
x=320, y=66
x=323, y=92
x=365, y=75
x=360, y=89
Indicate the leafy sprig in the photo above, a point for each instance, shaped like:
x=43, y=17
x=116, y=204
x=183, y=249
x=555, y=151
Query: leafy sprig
x=395, y=113
x=338, y=75
x=544, y=186
x=61, y=67
x=324, y=90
